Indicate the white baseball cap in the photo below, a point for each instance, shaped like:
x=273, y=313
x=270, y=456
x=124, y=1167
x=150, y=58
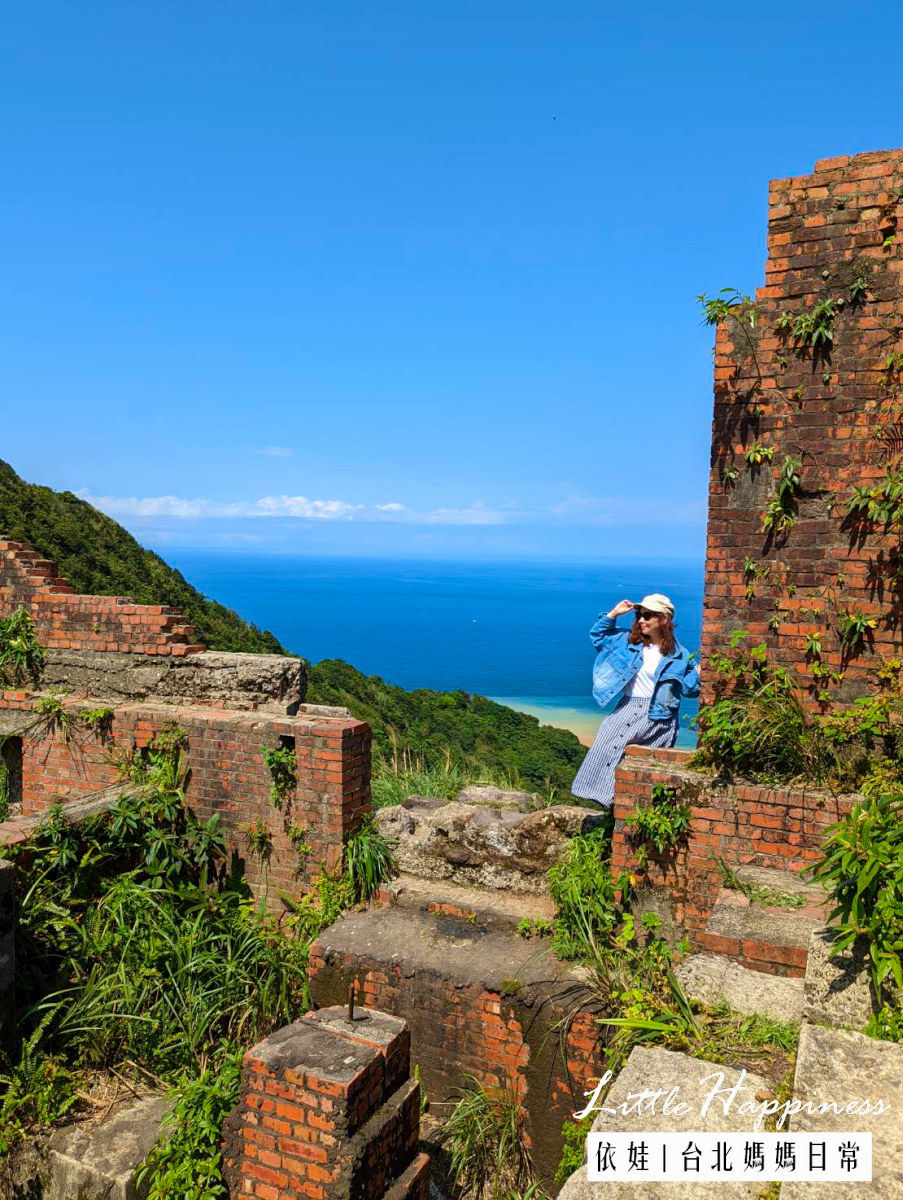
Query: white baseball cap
x=657, y=603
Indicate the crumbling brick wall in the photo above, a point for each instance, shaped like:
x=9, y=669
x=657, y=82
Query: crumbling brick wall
x=539, y=1041
x=832, y=237
x=228, y=774
x=67, y=621
x=741, y=824
x=327, y=1111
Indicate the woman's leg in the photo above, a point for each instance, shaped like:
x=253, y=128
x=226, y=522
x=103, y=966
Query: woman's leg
x=596, y=778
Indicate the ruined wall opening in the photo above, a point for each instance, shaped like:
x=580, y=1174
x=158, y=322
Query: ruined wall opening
x=10, y=772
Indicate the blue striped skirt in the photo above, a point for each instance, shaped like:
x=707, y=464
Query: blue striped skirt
x=628, y=725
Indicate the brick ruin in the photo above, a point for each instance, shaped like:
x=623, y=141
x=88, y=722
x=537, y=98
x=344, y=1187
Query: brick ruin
x=446, y=980
x=835, y=409
x=142, y=662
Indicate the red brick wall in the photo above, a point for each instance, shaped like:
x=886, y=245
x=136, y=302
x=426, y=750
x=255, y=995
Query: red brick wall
x=228, y=775
x=824, y=230
x=327, y=1112
x=743, y=824
x=66, y=621
x=501, y=1039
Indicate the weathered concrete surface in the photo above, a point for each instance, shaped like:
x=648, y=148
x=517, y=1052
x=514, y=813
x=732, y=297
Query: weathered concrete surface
x=495, y=797
x=734, y=916
x=709, y=978
x=101, y=1164
x=838, y=990
x=490, y=909
x=482, y=845
x=7, y=954
x=657, y=1068
x=265, y=682
x=835, y=1064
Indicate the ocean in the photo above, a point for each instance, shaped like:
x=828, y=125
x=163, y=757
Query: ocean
x=516, y=632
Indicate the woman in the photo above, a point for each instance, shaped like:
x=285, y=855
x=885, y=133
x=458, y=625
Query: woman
x=653, y=672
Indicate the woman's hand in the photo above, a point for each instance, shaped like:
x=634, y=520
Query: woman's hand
x=625, y=606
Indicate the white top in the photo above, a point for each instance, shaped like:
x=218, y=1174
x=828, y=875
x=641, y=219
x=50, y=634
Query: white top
x=640, y=687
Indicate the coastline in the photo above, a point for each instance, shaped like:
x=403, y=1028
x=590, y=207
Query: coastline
x=582, y=717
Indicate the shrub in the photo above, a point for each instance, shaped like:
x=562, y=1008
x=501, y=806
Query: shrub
x=584, y=894
x=862, y=868
x=187, y=1158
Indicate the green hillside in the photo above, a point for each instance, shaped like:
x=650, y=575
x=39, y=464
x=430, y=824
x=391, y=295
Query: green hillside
x=475, y=729
x=98, y=556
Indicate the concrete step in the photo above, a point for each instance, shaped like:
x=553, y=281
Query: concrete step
x=710, y=978
x=657, y=1068
x=486, y=907
x=840, y=1066
x=766, y=936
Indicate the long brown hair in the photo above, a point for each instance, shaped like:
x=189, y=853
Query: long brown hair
x=668, y=643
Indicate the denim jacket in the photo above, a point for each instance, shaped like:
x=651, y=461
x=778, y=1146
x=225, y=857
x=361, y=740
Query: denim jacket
x=617, y=662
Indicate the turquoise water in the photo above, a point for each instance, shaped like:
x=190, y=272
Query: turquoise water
x=516, y=632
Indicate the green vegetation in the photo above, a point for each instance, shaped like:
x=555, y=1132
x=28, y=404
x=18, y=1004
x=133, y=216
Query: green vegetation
x=283, y=768
x=661, y=824
x=769, y=897
x=368, y=861
x=759, y=727
x=863, y=871
x=141, y=954
x=812, y=329
x=585, y=895
x=97, y=556
x=21, y=657
x=484, y=1136
x=480, y=735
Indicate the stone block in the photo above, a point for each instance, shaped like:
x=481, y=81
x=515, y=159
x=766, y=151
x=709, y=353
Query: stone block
x=710, y=978
x=838, y=990
x=841, y=1066
x=657, y=1068
x=490, y=846
x=101, y=1163
x=258, y=682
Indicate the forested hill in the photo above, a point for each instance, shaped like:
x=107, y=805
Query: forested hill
x=100, y=558
x=473, y=728
x=97, y=556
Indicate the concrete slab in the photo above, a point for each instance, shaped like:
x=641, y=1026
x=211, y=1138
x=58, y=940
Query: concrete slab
x=101, y=1163
x=710, y=978
x=841, y=1066
x=656, y=1068
x=838, y=990
x=735, y=917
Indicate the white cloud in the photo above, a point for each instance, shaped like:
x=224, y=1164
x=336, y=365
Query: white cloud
x=277, y=452
x=575, y=510
x=287, y=506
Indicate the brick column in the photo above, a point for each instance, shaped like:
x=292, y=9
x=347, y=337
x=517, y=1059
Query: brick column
x=327, y=1112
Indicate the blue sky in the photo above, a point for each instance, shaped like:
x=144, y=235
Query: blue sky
x=399, y=278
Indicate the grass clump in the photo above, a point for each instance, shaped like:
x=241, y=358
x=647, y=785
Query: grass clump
x=402, y=773
x=484, y=1137
x=769, y=897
